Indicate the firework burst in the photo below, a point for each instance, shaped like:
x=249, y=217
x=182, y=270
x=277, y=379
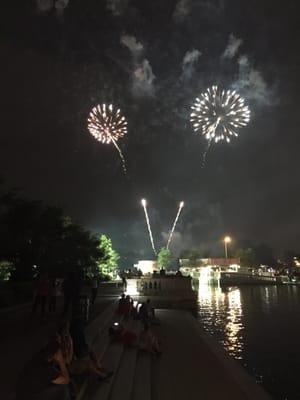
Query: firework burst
x=218, y=114
x=108, y=125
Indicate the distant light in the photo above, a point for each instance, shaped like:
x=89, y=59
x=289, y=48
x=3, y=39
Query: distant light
x=181, y=204
x=144, y=202
x=227, y=239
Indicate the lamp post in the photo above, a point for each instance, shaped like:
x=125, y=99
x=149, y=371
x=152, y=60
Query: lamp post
x=227, y=240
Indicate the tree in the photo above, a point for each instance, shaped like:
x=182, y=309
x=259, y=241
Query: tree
x=247, y=257
x=264, y=255
x=164, y=258
x=32, y=234
x=109, y=259
x=6, y=269
x=192, y=255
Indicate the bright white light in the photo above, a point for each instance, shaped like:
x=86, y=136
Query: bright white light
x=144, y=202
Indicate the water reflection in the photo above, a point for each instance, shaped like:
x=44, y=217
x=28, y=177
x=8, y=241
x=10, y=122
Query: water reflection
x=221, y=312
x=259, y=325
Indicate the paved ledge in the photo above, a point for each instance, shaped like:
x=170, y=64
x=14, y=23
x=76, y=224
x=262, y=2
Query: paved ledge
x=194, y=367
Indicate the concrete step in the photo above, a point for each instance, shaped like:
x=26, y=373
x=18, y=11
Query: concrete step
x=111, y=361
x=99, y=345
x=142, y=377
x=123, y=383
x=99, y=323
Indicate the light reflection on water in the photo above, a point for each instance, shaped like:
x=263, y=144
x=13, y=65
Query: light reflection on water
x=260, y=327
x=221, y=312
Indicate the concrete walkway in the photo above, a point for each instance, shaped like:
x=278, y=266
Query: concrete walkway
x=194, y=367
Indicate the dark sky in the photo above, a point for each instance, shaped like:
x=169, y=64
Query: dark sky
x=56, y=65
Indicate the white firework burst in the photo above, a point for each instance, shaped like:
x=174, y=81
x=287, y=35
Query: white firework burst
x=106, y=124
x=219, y=114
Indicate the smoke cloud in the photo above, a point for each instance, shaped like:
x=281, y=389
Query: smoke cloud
x=60, y=6
x=143, y=79
x=182, y=10
x=132, y=44
x=233, y=46
x=251, y=82
x=45, y=6
x=117, y=7
x=188, y=63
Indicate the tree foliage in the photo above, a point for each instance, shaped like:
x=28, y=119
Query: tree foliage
x=32, y=234
x=109, y=259
x=247, y=257
x=164, y=258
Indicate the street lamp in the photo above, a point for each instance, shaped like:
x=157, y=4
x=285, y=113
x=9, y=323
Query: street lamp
x=227, y=240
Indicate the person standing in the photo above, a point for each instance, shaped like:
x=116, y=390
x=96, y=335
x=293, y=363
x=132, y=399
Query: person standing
x=53, y=294
x=42, y=292
x=94, y=289
x=124, y=283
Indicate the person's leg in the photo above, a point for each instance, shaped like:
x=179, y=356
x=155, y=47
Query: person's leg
x=35, y=303
x=43, y=305
x=67, y=302
x=54, y=303
x=57, y=392
x=51, y=304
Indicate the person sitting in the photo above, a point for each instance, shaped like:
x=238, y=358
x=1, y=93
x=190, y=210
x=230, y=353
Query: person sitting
x=45, y=376
x=85, y=359
x=118, y=333
x=149, y=341
x=65, y=341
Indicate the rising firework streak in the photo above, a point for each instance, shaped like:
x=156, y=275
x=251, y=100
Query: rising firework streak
x=144, y=204
x=175, y=223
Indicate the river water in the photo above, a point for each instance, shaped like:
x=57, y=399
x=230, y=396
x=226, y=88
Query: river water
x=260, y=327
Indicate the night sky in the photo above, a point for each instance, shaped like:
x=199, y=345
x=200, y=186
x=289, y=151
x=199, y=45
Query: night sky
x=152, y=58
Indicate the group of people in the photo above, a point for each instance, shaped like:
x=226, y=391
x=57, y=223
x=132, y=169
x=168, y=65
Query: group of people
x=143, y=312
x=48, y=289
x=52, y=373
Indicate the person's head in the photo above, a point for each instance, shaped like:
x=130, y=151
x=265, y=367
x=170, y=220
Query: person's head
x=50, y=350
x=64, y=328
x=123, y=295
x=76, y=324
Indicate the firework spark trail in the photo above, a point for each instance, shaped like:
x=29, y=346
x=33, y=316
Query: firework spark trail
x=107, y=125
x=175, y=223
x=120, y=154
x=144, y=204
x=205, y=154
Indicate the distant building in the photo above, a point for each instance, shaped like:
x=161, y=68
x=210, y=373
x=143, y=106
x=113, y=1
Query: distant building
x=147, y=266
x=208, y=269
